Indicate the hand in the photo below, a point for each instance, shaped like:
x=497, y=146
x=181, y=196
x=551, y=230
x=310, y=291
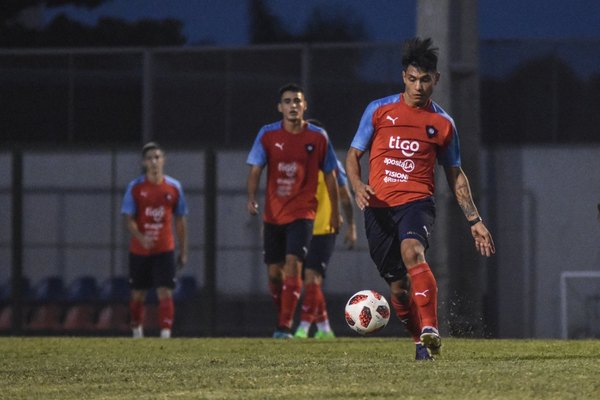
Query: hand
x=362, y=194
x=252, y=207
x=146, y=241
x=335, y=223
x=483, y=239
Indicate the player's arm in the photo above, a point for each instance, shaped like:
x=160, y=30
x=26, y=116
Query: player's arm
x=348, y=211
x=182, y=239
x=133, y=229
x=252, y=188
x=362, y=191
x=459, y=184
x=332, y=189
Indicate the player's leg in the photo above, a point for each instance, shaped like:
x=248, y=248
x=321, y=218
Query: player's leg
x=140, y=280
x=405, y=308
x=164, y=281
x=381, y=227
x=311, y=282
x=325, y=247
x=274, y=257
x=414, y=229
x=298, y=236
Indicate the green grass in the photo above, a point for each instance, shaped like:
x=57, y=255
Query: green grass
x=349, y=368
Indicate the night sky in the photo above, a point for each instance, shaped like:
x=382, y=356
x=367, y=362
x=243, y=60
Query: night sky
x=225, y=22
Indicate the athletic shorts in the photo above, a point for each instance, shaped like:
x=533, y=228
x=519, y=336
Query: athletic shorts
x=280, y=240
x=153, y=271
x=319, y=253
x=387, y=227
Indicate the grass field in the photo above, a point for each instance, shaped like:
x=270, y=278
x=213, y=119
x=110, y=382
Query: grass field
x=349, y=368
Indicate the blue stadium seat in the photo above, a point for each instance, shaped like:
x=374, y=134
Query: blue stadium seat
x=151, y=296
x=48, y=290
x=83, y=290
x=186, y=289
x=115, y=290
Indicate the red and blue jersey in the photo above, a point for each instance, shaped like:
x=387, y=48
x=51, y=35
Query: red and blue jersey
x=293, y=163
x=404, y=143
x=153, y=206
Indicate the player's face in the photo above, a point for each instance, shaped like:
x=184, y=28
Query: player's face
x=292, y=105
x=418, y=85
x=154, y=161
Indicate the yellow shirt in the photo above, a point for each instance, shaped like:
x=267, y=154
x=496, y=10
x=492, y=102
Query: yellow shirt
x=322, y=225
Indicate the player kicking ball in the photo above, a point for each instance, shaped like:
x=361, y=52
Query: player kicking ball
x=405, y=134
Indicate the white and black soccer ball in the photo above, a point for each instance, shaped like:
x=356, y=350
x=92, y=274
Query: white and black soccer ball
x=367, y=312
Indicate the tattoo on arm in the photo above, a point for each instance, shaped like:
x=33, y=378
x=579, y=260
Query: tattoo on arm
x=465, y=200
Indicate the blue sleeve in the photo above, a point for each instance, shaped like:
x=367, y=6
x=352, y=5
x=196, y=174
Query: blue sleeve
x=128, y=206
x=330, y=159
x=181, y=207
x=450, y=155
x=257, y=155
x=364, y=133
x=342, y=178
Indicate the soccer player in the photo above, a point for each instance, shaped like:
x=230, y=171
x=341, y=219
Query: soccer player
x=314, y=307
x=405, y=133
x=152, y=204
x=294, y=152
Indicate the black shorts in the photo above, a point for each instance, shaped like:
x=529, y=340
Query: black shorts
x=147, y=272
x=387, y=227
x=319, y=253
x=280, y=240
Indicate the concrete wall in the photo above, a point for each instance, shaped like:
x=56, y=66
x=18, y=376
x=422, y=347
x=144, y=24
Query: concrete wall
x=545, y=215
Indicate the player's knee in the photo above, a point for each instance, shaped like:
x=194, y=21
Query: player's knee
x=412, y=251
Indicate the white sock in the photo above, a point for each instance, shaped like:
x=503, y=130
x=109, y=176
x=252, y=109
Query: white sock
x=304, y=325
x=137, y=332
x=324, y=326
x=165, y=333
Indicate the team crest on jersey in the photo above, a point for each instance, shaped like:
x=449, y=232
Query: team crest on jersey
x=431, y=131
x=309, y=147
x=169, y=197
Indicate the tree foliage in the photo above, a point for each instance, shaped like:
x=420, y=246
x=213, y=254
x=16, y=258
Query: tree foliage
x=62, y=31
x=267, y=28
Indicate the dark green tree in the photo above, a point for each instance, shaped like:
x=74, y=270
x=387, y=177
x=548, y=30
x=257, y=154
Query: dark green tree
x=65, y=32
x=266, y=28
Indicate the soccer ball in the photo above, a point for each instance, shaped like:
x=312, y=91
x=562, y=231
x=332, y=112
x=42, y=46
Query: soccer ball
x=367, y=312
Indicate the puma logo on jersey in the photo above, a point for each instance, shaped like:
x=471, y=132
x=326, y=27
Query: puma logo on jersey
x=423, y=293
x=392, y=119
x=279, y=146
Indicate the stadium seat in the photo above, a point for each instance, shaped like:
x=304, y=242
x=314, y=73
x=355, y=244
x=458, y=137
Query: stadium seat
x=6, y=318
x=115, y=290
x=48, y=295
x=6, y=315
x=83, y=290
x=50, y=289
x=114, y=317
x=186, y=289
x=80, y=317
x=46, y=317
x=151, y=297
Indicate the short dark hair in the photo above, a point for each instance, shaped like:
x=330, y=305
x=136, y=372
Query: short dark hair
x=420, y=54
x=290, y=87
x=150, y=146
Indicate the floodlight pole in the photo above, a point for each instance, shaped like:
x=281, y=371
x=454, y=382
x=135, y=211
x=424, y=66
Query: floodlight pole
x=454, y=29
